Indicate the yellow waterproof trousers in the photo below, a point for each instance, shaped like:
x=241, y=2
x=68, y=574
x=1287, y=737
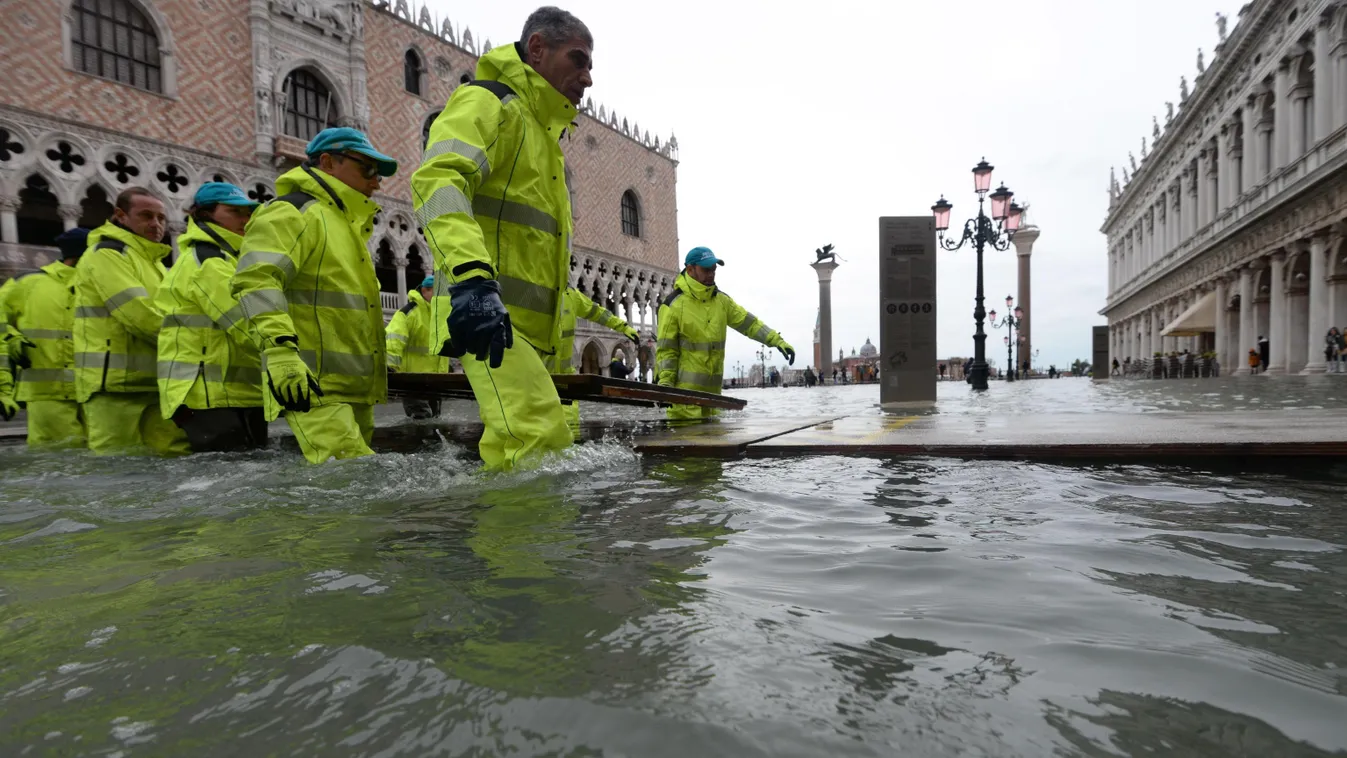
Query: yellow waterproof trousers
x=339, y=430
x=690, y=412
x=56, y=423
x=519, y=406
x=127, y=422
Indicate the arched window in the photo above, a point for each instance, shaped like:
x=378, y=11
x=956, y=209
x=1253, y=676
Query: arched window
x=309, y=107
x=412, y=71
x=114, y=40
x=38, y=218
x=631, y=215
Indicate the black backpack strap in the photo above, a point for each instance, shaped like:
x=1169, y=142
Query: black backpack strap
x=205, y=251
x=672, y=297
x=407, y=309
x=500, y=89
x=111, y=244
x=297, y=199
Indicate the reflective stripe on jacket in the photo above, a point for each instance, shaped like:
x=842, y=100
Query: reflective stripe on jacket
x=304, y=270
x=575, y=305
x=409, y=339
x=116, y=323
x=40, y=306
x=207, y=357
x=690, y=344
x=491, y=195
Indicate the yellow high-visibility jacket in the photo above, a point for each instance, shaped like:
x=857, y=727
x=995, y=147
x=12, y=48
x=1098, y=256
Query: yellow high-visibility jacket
x=40, y=306
x=690, y=341
x=207, y=357
x=491, y=195
x=409, y=348
x=116, y=322
x=305, y=271
x=577, y=305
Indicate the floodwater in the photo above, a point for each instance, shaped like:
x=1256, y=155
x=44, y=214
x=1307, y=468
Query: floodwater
x=610, y=604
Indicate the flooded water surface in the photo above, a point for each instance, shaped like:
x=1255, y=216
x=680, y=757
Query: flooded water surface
x=613, y=604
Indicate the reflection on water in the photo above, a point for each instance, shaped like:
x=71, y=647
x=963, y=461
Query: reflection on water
x=608, y=604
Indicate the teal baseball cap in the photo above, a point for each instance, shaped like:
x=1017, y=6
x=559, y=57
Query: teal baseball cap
x=344, y=139
x=429, y=281
x=223, y=193
x=702, y=256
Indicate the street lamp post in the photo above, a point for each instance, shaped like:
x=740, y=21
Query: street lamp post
x=762, y=361
x=981, y=231
x=1011, y=322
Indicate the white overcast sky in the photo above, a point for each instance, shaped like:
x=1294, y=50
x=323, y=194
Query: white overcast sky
x=800, y=124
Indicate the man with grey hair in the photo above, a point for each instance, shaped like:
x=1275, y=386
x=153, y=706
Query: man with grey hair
x=492, y=202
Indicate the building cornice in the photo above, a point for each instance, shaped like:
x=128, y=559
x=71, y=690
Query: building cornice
x=1187, y=126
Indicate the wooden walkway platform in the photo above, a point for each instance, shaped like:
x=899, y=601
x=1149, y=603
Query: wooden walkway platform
x=1140, y=437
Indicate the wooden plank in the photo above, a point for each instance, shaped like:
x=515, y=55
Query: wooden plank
x=588, y=387
x=1096, y=436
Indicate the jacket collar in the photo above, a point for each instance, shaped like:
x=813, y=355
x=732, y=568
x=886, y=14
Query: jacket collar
x=506, y=64
x=213, y=234
x=135, y=244
x=415, y=297
x=58, y=270
x=694, y=288
x=330, y=191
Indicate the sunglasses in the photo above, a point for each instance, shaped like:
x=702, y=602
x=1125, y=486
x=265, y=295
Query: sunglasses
x=368, y=169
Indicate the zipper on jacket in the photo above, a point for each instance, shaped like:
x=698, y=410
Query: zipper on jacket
x=201, y=374
x=107, y=361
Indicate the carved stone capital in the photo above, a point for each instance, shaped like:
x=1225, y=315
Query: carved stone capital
x=70, y=212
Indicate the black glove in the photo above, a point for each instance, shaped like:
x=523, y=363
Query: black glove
x=789, y=353
x=478, y=323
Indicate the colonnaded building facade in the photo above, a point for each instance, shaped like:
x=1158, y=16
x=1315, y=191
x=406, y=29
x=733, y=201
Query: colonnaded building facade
x=1232, y=226
x=167, y=94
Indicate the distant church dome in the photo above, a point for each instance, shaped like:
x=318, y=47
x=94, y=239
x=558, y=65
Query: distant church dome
x=868, y=350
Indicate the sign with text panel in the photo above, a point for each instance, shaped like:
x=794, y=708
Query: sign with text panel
x=907, y=309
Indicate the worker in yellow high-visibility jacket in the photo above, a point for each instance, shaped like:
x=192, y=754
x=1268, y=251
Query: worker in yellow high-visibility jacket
x=409, y=349
x=38, y=309
x=305, y=281
x=492, y=202
x=117, y=329
x=210, y=374
x=690, y=346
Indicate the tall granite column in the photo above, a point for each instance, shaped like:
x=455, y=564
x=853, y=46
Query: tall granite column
x=1024, y=240
x=825, y=317
x=1247, y=338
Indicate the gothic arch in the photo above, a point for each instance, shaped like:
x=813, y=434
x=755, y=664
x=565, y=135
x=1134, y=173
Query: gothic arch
x=59, y=187
x=423, y=71
x=168, y=61
x=318, y=69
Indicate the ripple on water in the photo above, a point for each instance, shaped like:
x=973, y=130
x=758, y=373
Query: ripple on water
x=406, y=604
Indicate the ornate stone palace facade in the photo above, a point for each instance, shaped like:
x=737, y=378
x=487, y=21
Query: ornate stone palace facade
x=99, y=95
x=1232, y=226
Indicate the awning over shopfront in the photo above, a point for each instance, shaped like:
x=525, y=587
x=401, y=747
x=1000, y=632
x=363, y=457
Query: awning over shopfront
x=1198, y=319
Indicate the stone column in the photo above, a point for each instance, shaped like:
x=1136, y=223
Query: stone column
x=1324, y=73
x=70, y=215
x=1246, y=322
x=400, y=261
x=1281, y=133
x=9, y=219
x=1024, y=247
x=1175, y=218
x=1250, y=145
x=825, y=269
x=1218, y=287
x=1319, y=316
x=1213, y=179
x=1203, y=188
x=1298, y=116
x=1278, y=333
